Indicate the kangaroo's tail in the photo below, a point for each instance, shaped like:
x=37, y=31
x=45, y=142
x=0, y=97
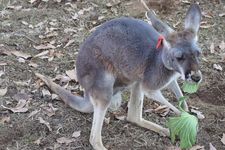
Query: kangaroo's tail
x=78, y=103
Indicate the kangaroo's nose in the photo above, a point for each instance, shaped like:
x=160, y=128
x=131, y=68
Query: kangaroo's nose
x=196, y=78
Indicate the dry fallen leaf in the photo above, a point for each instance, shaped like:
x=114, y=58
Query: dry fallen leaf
x=25, y=23
x=21, y=60
x=33, y=113
x=120, y=117
x=32, y=1
x=3, y=91
x=212, y=48
x=62, y=79
x=42, y=121
x=176, y=24
x=223, y=139
x=14, y=7
x=198, y=113
x=42, y=54
x=185, y=1
x=207, y=14
x=76, y=134
x=21, y=107
x=21, y=54
x=197, y=147
x=50, y=110
x=107, y=120
x=21, y=96
x=205, y=25
x=38, y=141
x=222, y=14
x=64, y=140
x=32, y=64
x=217, y=67
x=5, y=119
x=45, y=46
x=3, y=64
x=223, y=56
x=72, y=74
x=22, y=83
x=55, y=97
x=173, y=148
x=162, y=110
x=1, y=73
x=211, y=147
x=45, y=93
x=69, y=43
x=222, y=46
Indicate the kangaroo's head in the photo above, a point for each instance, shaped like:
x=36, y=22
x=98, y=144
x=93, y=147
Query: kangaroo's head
x=180, y=49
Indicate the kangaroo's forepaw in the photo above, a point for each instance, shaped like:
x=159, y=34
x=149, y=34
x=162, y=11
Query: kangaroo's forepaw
x=164, y=132
x=97, y=145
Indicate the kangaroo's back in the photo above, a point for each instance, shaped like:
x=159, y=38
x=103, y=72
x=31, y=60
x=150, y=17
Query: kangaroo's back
x=122, y=46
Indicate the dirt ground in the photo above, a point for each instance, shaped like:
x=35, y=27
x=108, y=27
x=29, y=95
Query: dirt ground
x=54, y=29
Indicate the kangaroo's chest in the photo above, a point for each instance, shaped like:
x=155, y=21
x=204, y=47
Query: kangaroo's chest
x=159, y=78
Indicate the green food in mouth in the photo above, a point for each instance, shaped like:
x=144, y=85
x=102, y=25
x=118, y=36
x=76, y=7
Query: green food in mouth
x=190, y=87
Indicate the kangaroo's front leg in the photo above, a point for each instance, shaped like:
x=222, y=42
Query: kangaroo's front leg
x=177, y=91
x=157, y=96
x=135, y=112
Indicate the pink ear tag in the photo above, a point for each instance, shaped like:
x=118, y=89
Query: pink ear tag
x=160, y=41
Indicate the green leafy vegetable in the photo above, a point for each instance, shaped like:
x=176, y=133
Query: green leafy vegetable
x=185, y=128
x=190, y=87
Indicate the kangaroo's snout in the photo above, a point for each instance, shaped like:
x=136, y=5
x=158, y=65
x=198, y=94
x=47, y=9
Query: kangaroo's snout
x=195, y=76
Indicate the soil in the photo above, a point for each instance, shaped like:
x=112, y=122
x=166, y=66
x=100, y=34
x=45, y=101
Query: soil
x=65, y=24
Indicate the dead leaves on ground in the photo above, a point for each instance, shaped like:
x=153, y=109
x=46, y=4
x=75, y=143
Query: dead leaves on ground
x=21, y=107
x=3, y=91
x=44, y=46
x=49, y=110
x=197, y=147
x=5, y=119
x=33, y=113
x=65, y=140
x=162, y=110
x=223, y=139
x=217, y=67
x=72, y=74
x=211, y=147
x=38, y=141
x=219, y=50
x=21, y=54
x=42, y=121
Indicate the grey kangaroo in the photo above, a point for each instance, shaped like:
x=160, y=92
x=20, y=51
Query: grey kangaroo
x=126, y=53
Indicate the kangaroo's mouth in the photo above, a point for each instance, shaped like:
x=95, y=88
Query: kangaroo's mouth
x=193, y=76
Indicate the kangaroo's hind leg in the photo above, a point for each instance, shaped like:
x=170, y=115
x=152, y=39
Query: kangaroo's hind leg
x=135, y=111
x=100, y=96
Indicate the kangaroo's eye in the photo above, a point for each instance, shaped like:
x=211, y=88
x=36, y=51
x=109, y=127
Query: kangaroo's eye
x=180, y=58
x=198, y=53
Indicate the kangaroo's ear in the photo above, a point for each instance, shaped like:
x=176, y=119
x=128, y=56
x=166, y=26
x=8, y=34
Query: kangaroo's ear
x=161, y=27
x=193, y=18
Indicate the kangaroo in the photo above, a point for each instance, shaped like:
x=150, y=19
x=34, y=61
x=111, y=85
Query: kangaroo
x=131, y=53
